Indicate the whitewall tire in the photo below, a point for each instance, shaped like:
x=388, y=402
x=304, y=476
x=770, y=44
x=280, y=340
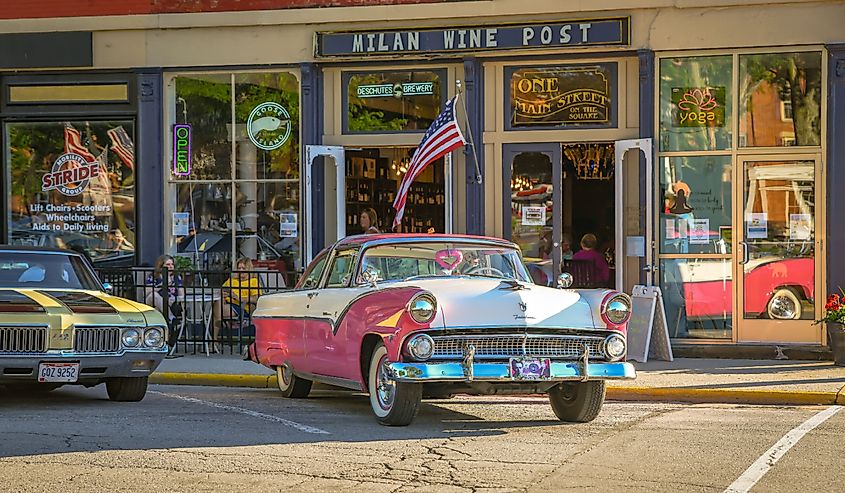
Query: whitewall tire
x=394, y=403
x=290, y=385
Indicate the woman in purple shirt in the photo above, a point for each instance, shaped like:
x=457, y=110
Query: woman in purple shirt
x=587, y=252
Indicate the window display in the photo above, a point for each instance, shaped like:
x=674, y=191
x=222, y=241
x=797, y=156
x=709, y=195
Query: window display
x=73, y=186
x=241, y=199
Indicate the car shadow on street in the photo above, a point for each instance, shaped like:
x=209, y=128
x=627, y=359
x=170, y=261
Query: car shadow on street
x=79, y=420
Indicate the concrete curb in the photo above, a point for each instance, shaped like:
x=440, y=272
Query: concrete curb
x=658, y=394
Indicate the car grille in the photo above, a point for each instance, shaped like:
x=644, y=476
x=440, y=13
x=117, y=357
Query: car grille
x=509, y=345
x=96, y=340
x=16, y=340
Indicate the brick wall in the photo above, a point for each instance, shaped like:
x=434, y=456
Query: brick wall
x=24, y=9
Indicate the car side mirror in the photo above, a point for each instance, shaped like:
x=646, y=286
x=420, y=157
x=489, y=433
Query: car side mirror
x=564, y=280
x=107, y=287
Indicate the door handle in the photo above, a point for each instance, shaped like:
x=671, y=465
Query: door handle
x=745, y=253
x=312, y=294
x=328, y=314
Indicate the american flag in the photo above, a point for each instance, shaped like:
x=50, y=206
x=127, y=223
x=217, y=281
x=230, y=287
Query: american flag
x=442, y=137
x=73, y=143
x=100, y=186
x=122, y=144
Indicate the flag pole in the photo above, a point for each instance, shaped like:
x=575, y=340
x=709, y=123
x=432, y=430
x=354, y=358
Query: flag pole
x=471, y=139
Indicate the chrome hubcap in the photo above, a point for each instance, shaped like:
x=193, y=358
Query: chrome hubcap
x=783, y=307
x=385, y=386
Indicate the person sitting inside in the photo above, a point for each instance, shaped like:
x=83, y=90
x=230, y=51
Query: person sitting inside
x=156, y=294
x=242, y=290
x=589, y=254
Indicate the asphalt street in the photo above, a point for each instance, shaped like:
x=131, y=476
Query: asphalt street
x=183, y=438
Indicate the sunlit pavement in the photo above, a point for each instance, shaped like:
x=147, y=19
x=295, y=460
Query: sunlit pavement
x=183, y=438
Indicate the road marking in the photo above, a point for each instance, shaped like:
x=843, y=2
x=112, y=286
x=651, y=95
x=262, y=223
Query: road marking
x=766, y=461
x=248, y=412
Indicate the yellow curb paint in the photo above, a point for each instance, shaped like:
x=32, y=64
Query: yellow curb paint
x=730, y=396
x=840, y=396
x=214, y=379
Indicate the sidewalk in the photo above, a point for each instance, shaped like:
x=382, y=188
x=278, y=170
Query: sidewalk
x=683, y=380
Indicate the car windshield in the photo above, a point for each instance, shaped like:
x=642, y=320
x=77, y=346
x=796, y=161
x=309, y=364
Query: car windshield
x=32, y=270
x=401, y=261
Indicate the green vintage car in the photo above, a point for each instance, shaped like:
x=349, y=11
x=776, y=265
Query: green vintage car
x=58, y=327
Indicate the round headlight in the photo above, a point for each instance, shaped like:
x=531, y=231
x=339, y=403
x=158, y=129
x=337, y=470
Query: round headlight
x=422, y=308
x=153, y=337
x=131, y=337
x=618, y=309
x=420, y=347
x=614, y=346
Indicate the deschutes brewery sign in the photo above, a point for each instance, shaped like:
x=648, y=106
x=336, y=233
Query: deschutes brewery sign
x=563, y=96
x=698, y=106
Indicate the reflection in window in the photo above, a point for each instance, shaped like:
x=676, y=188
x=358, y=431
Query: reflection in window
x=531, y=204
x=695, y=216
x=93, y=209
x=205, y=102
x=779, y=213
x=392, y=101
x=780, y=99
x=697, y=296
x=695, y=103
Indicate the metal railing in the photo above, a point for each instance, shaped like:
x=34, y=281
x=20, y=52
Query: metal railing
x=208, y=311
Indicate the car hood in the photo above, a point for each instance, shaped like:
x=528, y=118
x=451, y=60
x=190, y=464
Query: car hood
x=484, y=303
x=75, y=306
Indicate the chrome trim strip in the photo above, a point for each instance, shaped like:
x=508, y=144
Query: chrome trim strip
x=336, y=381
x=500, y=372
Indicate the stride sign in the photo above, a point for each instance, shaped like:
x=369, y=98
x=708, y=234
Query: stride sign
x=182, y=149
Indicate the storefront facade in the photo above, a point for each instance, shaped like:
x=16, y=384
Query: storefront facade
x=729, y=214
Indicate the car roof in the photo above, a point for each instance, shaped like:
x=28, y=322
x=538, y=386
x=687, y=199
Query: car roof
x=35, y=249
x=383, y=238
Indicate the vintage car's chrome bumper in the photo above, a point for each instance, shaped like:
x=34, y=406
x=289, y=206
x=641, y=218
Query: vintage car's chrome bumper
x=93, y=367
x=500, y=372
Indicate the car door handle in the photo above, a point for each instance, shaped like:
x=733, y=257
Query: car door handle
x=328, y=314
x=312, y=294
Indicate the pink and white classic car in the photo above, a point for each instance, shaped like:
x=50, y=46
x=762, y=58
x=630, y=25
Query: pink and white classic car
x=410, y=316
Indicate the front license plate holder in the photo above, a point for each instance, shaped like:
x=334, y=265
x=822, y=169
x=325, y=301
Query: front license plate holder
x=58, y=372
x=530, y=368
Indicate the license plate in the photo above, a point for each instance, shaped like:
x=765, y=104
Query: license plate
x=58, y=372
x=531, y=368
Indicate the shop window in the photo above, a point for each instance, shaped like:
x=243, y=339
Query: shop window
x=240, y=200
x=695, y=103
x=780, y=94
x=73, y=186
x=562, y=96
x=698, y=297
x=372, y=180
x=695, y=214
x=205, y=103
x=400, y=101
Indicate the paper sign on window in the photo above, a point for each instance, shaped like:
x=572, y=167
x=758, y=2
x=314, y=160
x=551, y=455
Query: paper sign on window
x=287, y=225
x=699, y=232
x=533, y=215
x=800, y=226
x=756, y=225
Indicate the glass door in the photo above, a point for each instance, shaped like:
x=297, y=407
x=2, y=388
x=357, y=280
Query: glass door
x=532, y=180
x=778, y=249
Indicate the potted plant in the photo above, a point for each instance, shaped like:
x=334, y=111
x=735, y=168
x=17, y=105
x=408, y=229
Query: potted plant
x=834, y=318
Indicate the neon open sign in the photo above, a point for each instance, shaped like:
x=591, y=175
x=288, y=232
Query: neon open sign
x=182, y=149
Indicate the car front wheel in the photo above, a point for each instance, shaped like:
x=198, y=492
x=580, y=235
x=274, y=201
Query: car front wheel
x=394, y=403
x=291, y=385
x=578, y=402
x=127, y=389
